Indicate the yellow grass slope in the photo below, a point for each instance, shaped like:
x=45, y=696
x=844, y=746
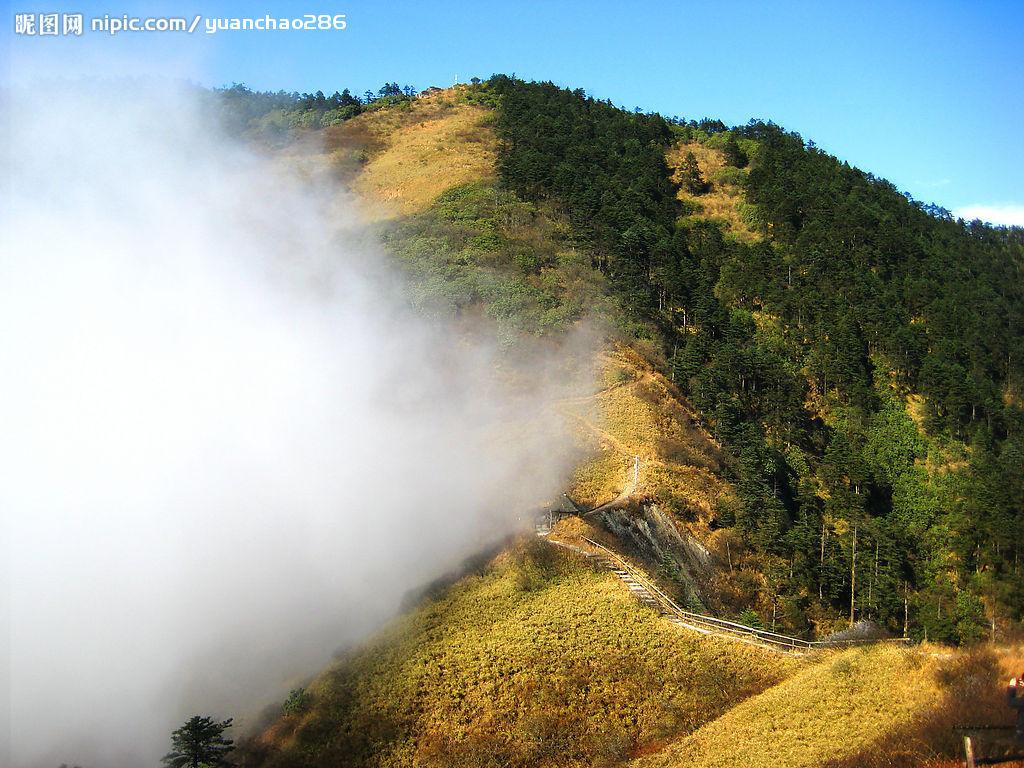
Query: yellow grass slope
x=883, y=705
x=724, y=201
x=638, y=412
x=538, y=660
x=412, y=154
x=830, y=711
x=409, y=156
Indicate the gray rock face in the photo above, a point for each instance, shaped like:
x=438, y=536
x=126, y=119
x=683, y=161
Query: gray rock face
x=862, y=630
x=669, y=550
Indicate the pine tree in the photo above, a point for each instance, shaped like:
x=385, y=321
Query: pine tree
x=199, y=742
x=734, y=155
x=692, y=180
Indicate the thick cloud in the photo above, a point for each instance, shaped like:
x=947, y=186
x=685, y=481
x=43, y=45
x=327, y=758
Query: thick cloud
x=228, y=446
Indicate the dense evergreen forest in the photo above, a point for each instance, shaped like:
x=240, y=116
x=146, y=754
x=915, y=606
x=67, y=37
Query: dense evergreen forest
x=862, y=359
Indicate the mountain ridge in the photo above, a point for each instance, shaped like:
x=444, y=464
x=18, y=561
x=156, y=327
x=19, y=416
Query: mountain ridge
x=808, y=363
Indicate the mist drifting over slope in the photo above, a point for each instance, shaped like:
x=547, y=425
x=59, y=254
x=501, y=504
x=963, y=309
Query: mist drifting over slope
x=228, y=445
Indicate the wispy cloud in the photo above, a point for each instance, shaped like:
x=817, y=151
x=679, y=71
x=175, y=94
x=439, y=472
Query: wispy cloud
x=1010, y=214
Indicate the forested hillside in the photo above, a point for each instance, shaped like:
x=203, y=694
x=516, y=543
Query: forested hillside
x=820, y=378
x=861, y=356
x=858, y=354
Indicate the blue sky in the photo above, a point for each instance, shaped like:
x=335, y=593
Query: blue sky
x=926, y=94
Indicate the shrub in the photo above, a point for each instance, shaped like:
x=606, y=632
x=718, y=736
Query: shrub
x=690, y=208
x=750, y=618
x=535, y=565
x=753, y=217
x=298, y=701
x=730, y=176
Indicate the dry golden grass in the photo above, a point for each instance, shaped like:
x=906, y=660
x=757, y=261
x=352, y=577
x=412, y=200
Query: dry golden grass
x=971, y=686
x=639, y=413
x=915, y=409
x=414, y=153
x=602, y=477
x=722, y=201
x=539, y=660
x=878, y=706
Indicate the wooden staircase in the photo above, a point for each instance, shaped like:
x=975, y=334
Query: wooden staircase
x=644, y=590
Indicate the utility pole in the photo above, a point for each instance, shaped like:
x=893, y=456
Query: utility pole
x=636, y=472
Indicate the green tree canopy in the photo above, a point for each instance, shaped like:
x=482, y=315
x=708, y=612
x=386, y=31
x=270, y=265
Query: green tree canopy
x=862, y=360
x=734, y=155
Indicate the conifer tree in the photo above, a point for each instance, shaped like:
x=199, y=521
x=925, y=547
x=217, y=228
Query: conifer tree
x=199, y=742
x=692, y=180
x=734, y=155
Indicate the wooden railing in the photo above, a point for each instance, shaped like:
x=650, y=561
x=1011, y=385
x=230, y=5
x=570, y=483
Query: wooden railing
x=715, y=625
x=990, y=745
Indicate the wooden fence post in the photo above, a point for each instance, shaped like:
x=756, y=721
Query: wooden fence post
x=968, y=752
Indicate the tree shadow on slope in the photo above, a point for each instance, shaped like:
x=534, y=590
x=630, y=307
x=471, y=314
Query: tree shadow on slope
x=973, y=693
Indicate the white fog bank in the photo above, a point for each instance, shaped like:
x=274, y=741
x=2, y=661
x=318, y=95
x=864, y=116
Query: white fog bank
x=227, y=447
